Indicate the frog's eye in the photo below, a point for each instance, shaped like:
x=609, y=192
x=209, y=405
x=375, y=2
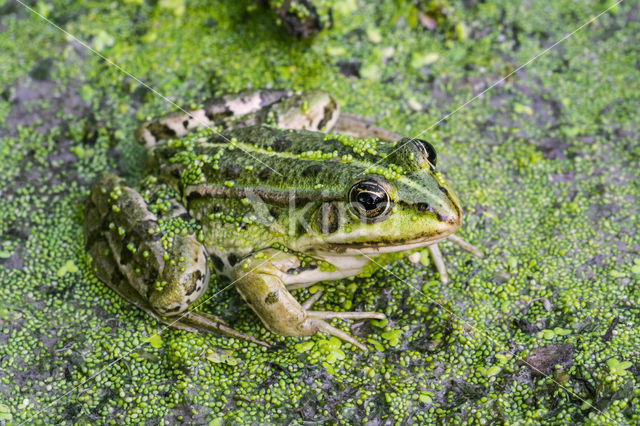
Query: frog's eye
x=370, y=200
x=428, y=150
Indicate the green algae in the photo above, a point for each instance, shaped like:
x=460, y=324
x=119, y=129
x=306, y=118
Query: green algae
x=545, y=164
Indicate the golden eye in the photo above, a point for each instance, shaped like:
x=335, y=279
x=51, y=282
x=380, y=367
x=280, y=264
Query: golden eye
x=370, y=201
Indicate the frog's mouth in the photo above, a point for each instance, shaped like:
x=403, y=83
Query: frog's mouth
x=385, y=246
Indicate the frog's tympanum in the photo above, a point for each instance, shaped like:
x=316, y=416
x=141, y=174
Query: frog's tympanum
x=249, y=188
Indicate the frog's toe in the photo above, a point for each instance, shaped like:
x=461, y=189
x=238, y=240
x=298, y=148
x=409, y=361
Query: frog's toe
x=313, y=299
x=333, y=331
x=346, y=315
x=465, y=245
x=317, y=319
x=213, y=324
x=438, y=261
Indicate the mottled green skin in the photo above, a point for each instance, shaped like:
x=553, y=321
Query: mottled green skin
x=288, y=224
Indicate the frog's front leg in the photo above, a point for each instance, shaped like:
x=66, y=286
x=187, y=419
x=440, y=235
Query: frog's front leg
x=259, y=279
x=163, y=278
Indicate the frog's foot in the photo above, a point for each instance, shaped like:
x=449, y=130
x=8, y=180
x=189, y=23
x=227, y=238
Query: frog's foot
x=438, y=260
x=363, y=127
x=259, y=281
x=318, y=318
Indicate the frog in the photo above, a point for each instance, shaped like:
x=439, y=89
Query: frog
x=274, y=190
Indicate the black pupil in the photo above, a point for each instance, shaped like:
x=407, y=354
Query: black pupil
x=369, y=200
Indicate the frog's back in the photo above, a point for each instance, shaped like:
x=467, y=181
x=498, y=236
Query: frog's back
x=278, y=163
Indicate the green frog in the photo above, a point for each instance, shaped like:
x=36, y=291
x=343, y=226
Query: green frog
x=275, y=190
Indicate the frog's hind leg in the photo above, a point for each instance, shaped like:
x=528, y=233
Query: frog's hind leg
x=177, y=124
x=107, y=270
x=363, y=127
x=125, y=241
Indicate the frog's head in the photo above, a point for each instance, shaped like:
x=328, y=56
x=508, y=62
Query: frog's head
x=389, y=212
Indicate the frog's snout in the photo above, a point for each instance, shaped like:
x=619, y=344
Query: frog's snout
x=448, y=212
x=452, y=213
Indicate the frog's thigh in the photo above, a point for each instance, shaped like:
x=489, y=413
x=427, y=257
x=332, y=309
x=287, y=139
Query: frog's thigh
x=179, y=123
x=258, y=282
x=107, y=271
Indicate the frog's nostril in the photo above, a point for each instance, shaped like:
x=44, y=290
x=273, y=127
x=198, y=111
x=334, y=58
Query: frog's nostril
x=425, y=207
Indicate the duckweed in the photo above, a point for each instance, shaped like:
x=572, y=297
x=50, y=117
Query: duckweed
x=545, y=164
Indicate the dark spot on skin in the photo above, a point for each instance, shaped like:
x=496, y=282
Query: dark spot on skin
x=185, y=124
x=194, y=195
x=216, y=111
x=281, y=145
x=271, y=96
x=141, y=231
x=299, y=269
x=195, y=278
x=274, y=213
x=217, y=262
x=327, y=115
x=233, y=259
x=162, y=131
x=328, y=219
x=265, y=173
x=272, y=297
x=312, y=171
x=153, y=276
x=125, y=254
